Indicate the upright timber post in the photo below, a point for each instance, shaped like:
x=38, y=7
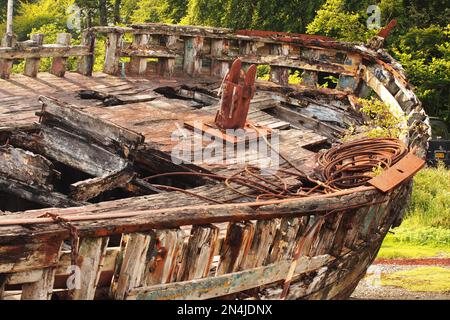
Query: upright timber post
x=113, y=50
x=59, y=64
x=193, y=47
x=138, y=65
x=86, y=63
x=32, y=64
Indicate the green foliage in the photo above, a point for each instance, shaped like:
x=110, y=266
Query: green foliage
x=425, y=55
x=423, y=279
x=381, y=121
x=35, y=15
x=430, y=202
x=334, y=21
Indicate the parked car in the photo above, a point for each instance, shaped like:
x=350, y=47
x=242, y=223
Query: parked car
x=439, y=147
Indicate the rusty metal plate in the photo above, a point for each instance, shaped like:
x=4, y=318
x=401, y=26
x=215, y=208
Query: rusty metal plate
x=398, y=173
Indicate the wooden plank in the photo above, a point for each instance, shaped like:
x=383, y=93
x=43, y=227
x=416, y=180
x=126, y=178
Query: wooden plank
x=133, y=264
x=166, y=253
x=32, y=64
x=222, y=285
x=44, y=51
x=25, y=166
x=71, y=150
x=91, y=255
x=88, y=189
x=199, y=253
x=25, y=277
x=41, y=289
x=235, y=247
x=102, y=130
x=8, y=40
x=263, y=238
x=286, y=238
x=37, y=194
x=193, y=47
x=59, y=64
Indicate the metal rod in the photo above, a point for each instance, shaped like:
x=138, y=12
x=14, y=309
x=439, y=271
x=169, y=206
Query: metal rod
x=9, y=18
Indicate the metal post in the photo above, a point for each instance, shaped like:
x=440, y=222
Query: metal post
x=9, y=19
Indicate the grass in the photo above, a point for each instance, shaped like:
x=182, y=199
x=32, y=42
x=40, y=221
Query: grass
x=425, y=279
x=426, y=229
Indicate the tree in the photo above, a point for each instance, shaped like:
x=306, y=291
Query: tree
x=334, y=21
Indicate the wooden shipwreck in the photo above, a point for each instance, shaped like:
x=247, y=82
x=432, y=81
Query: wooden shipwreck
x=95, y=203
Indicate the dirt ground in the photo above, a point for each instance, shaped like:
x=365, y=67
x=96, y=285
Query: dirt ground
x=370, y=287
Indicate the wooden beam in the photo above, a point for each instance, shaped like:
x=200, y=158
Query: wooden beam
x=88, y=189
x=113, y=52
x=222, y=285
x=138, y=64
x=193, y=47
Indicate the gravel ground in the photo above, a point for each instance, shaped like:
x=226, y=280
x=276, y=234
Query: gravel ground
x=370, y=289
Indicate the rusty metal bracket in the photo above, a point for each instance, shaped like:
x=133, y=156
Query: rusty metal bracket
x=403, y=170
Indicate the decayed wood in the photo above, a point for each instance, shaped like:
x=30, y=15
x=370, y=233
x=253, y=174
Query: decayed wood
x=25, y=166
x=42, y=289
x=71, y=150
x=286, y=238
x=32, y=64
x=326, y=237
x=235, y=247
x=44, y=51
x=278, y=74
x=59, y=64
x=218, y=48
x=138, y=65
x=25, y=277
x=88, y=189
x=265, y=231
x=199, y=253
x=37, y=194
x=112, y=57
x=101, y=130
x=3, y=279
x=166, y=252
x=6, y=64
x=91, y=255
x=86, y=63
x=192, y=55
x=222, y=285
x=132, y=267
x=194, y=215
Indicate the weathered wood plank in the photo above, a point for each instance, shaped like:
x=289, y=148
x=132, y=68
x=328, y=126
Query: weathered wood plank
x=71, y=150
x=166, y=253
x=91, y=255
x=37, y=194
x=199, y=253
x=222, y=285
x=133, y=264
x=263, y=238
x=235, y=247
x=101, y=130
x=88, y=189
x=42, y=289
x=25, y=166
